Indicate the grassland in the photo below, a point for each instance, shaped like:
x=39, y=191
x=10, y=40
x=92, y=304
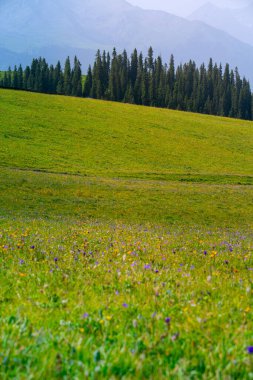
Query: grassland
x=125, y=241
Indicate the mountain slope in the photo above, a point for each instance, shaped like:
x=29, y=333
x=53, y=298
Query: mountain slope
x=105, y=138
x=65, y=157
x=81, y=24
x=237, y=22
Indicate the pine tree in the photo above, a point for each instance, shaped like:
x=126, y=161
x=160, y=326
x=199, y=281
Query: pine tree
x=77, y=79
x=88, y=84
x=20, y=78
x=227, y=96
x=137, y=88
x=15, y=78
x=67, y=78
x=134, y=67
x=114, y=83
x=145, y=85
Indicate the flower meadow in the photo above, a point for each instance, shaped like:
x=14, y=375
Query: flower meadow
x=95, y=300
x=126, y=242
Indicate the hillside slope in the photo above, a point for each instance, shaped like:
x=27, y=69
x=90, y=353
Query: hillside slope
x=75, y=159
x=88, y=137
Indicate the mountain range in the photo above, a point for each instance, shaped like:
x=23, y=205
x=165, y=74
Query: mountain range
x=238, y=22
x=56, y=29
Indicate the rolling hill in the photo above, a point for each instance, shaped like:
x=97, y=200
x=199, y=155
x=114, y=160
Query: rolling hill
x=83, y=158
x=82, y=26
x=125, y=241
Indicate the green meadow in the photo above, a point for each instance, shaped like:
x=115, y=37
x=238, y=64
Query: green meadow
x=126, y=244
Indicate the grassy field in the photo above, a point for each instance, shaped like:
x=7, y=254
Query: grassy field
x=125, y=241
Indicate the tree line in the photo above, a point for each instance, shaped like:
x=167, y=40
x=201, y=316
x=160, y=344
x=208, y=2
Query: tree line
x=44, y=78
x=142, y=80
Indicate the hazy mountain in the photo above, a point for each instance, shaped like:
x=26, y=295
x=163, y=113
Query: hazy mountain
x=236, y=21
x=60, y=27
x=10, y=58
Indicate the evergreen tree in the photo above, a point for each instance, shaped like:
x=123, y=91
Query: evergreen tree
x=142, y=81
x=134, y=67
x=67, y=78
x=88, y=84
x=20, y=79
x=77, y=79
x=114, y=83
x=15, y=78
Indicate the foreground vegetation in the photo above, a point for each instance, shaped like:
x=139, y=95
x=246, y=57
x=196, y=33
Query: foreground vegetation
x=113, y=301
x=125, y=242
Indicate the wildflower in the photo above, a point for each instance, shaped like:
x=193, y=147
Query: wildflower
x=85, y=315
x=167, y=320
x=147, y=266
x=250, y=350
x=175, y=337
x=56, y=259
x=125, y=305
x=21, y=262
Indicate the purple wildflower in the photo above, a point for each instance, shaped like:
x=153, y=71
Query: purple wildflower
x=205, y=253
x=167, y=320
x=21, y=262
x=56, y=259
x=125, y=305
x=85, y=315
x=147, y=266
x=250, y=350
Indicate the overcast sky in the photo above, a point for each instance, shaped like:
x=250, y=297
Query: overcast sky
x=184, y=7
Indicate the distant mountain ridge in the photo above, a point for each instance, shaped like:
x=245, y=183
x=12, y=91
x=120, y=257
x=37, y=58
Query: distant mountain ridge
x=82, y=26
x=238, y=22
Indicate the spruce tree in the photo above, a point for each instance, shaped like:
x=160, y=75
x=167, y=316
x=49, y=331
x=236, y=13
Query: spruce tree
x=67, y=78
x=77, y=79
x=15, y=78
x=88, y=84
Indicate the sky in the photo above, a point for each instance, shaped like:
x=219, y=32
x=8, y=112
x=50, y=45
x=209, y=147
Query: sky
x=184, y=7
